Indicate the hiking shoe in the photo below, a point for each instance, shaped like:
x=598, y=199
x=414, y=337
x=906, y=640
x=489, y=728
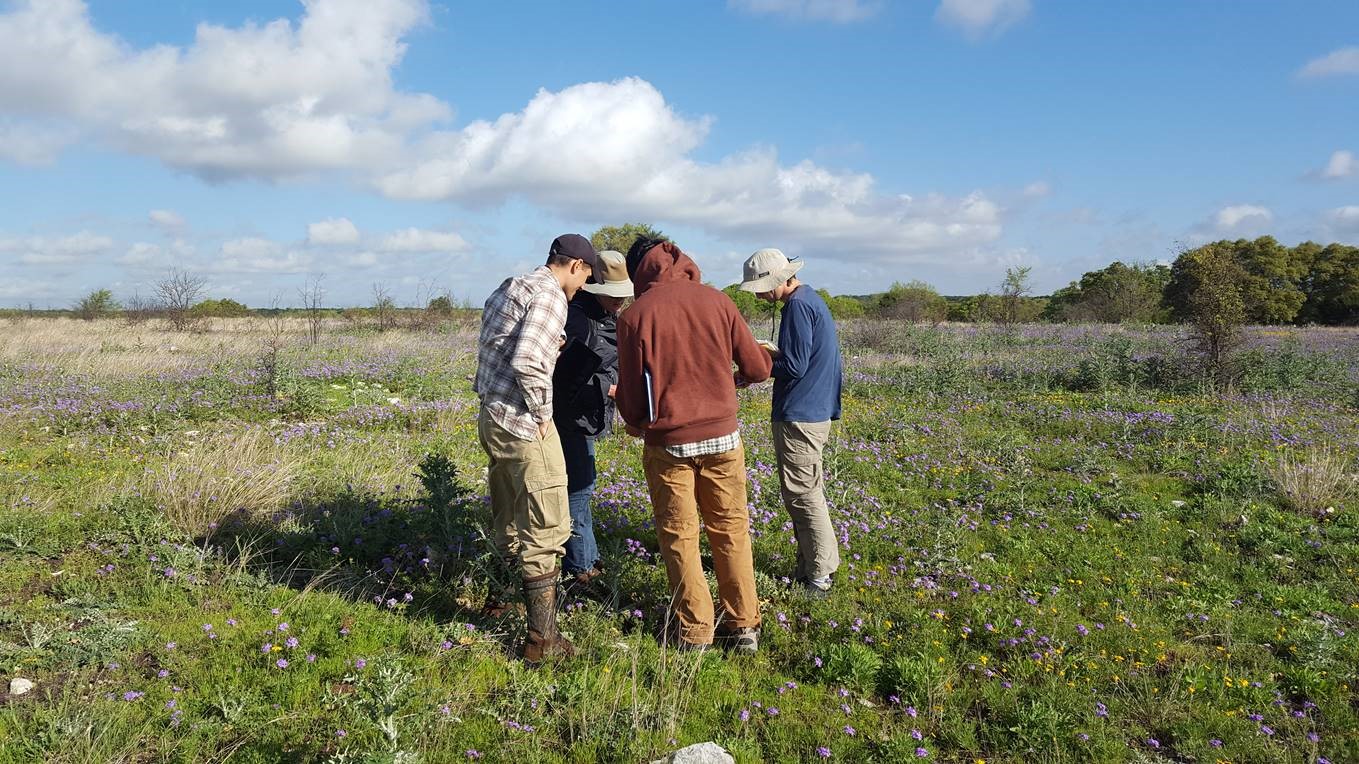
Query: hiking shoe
x=813, y=592
x=744, y=641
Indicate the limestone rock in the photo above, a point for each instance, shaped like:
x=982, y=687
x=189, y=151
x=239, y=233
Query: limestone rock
x=699, y=753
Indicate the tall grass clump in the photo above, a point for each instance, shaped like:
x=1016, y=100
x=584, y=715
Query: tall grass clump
x=1315, y=480
x=225, y=474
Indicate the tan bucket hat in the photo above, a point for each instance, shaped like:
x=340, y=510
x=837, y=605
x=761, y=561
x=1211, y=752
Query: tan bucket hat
x=766, y=269
x=612, y=273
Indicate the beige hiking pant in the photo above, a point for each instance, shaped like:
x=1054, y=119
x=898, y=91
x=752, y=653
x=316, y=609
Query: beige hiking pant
x=530, y=517
x=802, y=483
x=712, y=487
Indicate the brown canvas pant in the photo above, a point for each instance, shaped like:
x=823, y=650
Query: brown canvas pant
x=712, y=487
x=802, y=484
x=530, y=518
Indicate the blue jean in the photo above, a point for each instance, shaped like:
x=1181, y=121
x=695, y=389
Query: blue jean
x=581, y=550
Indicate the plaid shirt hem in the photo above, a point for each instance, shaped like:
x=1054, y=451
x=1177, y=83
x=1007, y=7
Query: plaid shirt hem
x=718, y=445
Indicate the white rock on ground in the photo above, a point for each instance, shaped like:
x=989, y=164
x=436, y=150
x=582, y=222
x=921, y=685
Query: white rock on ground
x=18, y=685
x=698, y=753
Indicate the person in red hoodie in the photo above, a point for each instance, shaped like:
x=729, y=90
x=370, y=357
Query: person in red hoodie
x=676, y=345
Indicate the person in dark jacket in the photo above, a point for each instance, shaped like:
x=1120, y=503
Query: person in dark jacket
x=584, y=385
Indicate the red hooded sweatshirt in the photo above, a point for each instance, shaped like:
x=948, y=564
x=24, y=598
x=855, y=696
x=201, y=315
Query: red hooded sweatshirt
x=676, y=345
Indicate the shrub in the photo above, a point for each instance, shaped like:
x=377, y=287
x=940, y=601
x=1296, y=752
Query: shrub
x=1314, y=480
x=225, y=474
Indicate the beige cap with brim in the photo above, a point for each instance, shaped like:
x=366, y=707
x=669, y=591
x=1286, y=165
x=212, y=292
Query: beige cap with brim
x=766, y=269
x=612, y=273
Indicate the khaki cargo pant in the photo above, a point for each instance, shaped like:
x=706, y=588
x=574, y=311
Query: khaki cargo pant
x=802, y=483
x=530, y=516
x=712, y=487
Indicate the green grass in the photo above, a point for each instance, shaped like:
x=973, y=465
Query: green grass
x=1051, y=553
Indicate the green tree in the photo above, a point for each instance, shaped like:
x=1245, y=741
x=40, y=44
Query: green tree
x=1274, y=273
x=441, y=305
x=841, y=307
x=1209, y=279
x=1270, y=278
x=963, y=308
x=1332, y=284
x=224, y=308
x=619, y=238
x=750, y=306
x=96, y=304
x=915, y=301
x=1115, y=294
x=1014, y=289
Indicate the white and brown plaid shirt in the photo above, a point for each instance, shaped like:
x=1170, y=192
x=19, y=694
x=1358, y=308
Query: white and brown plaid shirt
x=719, y=445
x=521, y=331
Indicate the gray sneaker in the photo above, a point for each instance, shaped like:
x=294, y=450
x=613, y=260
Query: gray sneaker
x=814, y=592
x=744, y=641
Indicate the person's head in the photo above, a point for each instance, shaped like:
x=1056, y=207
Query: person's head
x=770, y=275
x=572, y=260
x=638, y=250
x=611, y=285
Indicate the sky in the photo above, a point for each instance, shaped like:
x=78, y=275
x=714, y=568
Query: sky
x=426, y=147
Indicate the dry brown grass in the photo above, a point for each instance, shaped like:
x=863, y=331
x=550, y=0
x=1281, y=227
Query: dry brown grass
x=113, y=348
x=224, y=474
x=1317, y=481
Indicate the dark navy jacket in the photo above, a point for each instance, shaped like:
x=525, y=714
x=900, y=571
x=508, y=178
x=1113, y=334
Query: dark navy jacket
x=807, y=376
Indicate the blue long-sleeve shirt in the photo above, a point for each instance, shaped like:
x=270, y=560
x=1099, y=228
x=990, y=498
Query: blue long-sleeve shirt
x=807, y=377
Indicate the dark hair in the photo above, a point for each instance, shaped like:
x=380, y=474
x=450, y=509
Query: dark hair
x=639, y=249
x=555, y=260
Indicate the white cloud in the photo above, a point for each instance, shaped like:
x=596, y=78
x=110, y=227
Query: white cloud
x=256, y=255
x=31, y=143
x=142, y=254
x=837, y=11
x=332, y=231
x=978, y=18
x=166, y=219
x=1337, y=62
x=618, y=151
x=283, y=99
x=43, y=250
x=1037, y=190
x=273, y=100
x=1241, y=218
x=1343, y=164
x=15, y=288
x=1344, y=219
x=418, y=240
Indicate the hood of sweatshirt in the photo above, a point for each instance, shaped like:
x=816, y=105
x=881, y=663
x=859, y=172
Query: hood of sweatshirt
x=663, y=263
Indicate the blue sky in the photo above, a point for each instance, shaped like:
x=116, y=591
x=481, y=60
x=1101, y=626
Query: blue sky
x=430, y=146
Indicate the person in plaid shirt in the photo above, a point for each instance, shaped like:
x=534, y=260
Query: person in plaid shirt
x=521, y=332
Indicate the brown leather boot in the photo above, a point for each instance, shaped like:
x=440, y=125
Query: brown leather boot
x=540, y=599
x=500, y=599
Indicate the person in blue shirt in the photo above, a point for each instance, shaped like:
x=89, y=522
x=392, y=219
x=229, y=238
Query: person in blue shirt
x=807, y=379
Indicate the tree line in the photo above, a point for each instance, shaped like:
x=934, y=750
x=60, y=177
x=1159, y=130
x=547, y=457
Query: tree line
x=1309, y=283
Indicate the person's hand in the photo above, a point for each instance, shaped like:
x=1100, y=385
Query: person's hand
x=613, y=389
x=741, y=382
x=545, y=429
x=771, y=349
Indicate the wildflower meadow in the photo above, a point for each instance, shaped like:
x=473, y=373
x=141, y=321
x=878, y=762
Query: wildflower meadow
x=258, y=545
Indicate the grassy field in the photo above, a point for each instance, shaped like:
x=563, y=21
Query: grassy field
x=239, y=546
